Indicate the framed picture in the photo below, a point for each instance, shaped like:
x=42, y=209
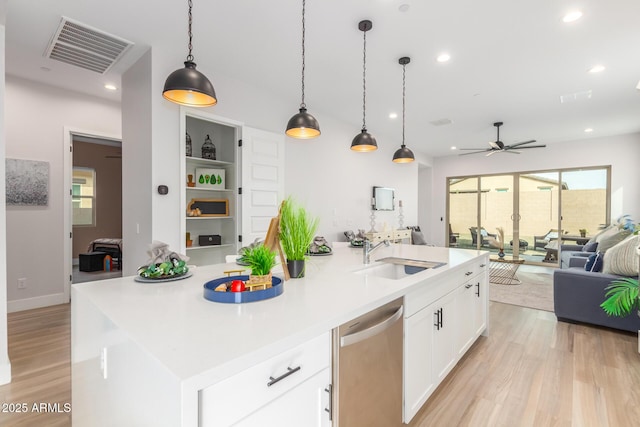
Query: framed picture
x=27, y=182
x=210, y=178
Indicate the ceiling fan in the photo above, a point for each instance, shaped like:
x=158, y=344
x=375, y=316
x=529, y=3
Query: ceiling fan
x=498, y=146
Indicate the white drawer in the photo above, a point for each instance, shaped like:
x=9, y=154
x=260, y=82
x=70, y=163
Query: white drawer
x=230, y=400
x=472, y=269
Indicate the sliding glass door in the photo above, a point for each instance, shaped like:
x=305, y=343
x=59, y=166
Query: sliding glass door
x=537, y=211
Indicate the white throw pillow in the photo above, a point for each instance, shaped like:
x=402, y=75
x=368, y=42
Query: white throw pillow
x=623, y=259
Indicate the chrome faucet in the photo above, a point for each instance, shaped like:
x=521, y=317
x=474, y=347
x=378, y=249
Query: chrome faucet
x=367, y=249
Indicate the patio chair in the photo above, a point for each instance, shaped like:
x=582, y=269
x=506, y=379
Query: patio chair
x=484, y=233
x=540, y=242
x=453, y=237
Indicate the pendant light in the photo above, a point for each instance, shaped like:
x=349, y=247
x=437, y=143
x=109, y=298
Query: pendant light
x=364, y=141
x=303, y=125
x=403, y=154
x=188, y=86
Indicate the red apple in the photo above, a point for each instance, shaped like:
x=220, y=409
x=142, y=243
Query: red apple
x=237, y=286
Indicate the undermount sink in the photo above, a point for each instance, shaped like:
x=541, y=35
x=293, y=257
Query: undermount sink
x=397, y=268
x=422, y=264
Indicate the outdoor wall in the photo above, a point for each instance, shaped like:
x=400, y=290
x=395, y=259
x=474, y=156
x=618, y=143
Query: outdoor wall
x=35, y=117
x=108, y=167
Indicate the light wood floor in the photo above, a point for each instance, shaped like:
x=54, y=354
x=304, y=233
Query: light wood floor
x=40, y=355
x=530, y=371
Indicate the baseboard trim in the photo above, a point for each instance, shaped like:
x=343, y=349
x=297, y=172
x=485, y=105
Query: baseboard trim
x=5, y=373
x=36, y=302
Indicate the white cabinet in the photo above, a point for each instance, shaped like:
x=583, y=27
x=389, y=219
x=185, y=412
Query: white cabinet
x=442, y=320
x=444, y=336
x=287, y=390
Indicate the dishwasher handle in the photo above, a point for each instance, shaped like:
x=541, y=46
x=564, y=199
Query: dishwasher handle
x=376, y=329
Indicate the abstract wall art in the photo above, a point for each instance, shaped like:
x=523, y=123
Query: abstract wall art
x=27, y=182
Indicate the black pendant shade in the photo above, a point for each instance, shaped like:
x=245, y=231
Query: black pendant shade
x=403, y=154
x=188, y=86
x=303, y=125
x=364, y=141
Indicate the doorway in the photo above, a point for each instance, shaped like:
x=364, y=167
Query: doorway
x=94, y=207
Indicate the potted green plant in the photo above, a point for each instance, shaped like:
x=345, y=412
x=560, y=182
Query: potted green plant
x=622, y=297
x=297, y=229
x=261, y=260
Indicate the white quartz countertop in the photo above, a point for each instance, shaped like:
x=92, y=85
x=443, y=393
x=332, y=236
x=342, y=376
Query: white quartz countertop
x=202, y=342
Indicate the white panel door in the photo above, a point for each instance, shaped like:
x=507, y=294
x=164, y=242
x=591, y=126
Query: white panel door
x=262, y=181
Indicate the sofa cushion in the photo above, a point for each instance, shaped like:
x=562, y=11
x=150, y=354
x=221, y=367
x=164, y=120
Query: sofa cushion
x=590, y=247
x=611, y=238
x=417, y=238
x=623, y=258
x=594, y=263
x=596, y=237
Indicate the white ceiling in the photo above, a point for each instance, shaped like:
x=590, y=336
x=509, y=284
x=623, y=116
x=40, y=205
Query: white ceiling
x=511, y=60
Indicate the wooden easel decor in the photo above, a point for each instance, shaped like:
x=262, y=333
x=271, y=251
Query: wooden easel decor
x=272, y=241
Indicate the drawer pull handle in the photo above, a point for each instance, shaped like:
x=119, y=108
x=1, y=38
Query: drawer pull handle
x=290, y=371
x=468, y=286
x=482, y=265
x=468, y=273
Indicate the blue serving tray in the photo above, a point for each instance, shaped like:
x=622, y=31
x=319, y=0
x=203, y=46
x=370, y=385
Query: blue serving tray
x=241, y=297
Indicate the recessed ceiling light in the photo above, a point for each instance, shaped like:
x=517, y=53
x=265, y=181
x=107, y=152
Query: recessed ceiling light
x=454, y=147
x=588, y=130
x=110, y=87
x=45, y=69
x=393, y=115
x=572, y=16
x=443, y=57
x=638, y=87
x=596, y=68
x=403, y=7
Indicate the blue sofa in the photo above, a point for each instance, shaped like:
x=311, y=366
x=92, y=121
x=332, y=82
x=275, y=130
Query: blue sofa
x=577, y=294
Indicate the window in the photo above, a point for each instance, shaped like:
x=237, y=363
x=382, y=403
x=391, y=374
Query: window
x=83, y=196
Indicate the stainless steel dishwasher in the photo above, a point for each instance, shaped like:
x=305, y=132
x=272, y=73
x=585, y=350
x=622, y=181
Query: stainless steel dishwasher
x=367, y=369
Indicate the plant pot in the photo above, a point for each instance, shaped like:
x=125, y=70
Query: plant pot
x=501, y=253
x=296, y=268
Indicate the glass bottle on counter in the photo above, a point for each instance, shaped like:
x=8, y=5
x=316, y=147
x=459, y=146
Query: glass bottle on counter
x=208, y=149
x=188, y=151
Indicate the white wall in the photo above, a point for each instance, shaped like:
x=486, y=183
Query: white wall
x=336, y=183
x=622, y=152
x=35, y=118
x=5, y=366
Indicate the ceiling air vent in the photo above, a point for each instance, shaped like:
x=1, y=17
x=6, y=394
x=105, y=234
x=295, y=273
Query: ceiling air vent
x=86, y=47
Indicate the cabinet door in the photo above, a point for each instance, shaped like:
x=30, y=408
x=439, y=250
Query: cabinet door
x=303, y=405
x=480, y=297
x=467, y=306
x=418, y=348
x=262, y=181
x=444, y=336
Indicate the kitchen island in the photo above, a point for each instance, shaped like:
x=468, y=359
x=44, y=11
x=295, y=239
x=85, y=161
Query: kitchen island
x=153, y=353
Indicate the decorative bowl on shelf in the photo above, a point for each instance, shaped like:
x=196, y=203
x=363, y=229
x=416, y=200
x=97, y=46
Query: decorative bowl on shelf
x=229, y=297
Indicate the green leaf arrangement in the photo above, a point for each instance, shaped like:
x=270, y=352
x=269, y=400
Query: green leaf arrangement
x=622, y=297
x=260, y=259
x=297, y=229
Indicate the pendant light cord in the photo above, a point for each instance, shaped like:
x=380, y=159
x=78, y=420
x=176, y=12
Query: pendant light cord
x=302, y=104
x=404, y=69
x=364, y=82
x=190, y=56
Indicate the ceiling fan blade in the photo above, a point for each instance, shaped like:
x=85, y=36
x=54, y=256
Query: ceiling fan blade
x=474, y=149
x=511, y=151
x=492, y=152
x=517, y=144
x=473, y=152
x=532, y=146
